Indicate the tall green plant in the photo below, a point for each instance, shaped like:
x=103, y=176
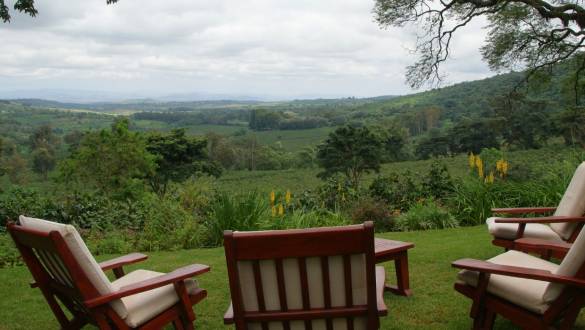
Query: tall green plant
x=235, y=212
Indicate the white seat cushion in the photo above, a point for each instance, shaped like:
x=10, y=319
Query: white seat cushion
x=533, y=230
x=144, y=306
x=530, y=294
x=81, y=253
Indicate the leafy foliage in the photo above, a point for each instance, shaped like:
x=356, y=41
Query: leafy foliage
x=177, y=158
x=350, y=151
x=426, y=215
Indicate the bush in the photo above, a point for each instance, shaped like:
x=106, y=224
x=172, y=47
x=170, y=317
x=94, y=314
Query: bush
x=437, y=182
x=309, y=219
x=425, y=215
x=235, y=212
x=113, y=242
x=373, y=210
x=168, y=226
x=18, y=200
x=399, y=191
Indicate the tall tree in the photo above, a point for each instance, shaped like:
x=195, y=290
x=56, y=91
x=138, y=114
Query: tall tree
x=43, y=161
x=43, y=137
x=352, y=152
x=532, y=33
x=111, y=160
x=178, y=157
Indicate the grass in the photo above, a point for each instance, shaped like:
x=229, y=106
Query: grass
x=434, y=305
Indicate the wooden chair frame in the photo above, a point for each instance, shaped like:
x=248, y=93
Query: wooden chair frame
x=302, y=244
x=485, y=307
x=509, y=244
x=83, y=300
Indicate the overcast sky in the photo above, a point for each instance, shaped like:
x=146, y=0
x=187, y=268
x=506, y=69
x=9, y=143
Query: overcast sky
x=276, y=48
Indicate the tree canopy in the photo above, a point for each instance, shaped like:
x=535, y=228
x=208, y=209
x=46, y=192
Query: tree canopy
x=351, y=151
x=534, y=34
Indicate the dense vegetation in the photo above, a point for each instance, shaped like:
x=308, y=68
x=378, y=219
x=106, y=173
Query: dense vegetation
x=175, y=175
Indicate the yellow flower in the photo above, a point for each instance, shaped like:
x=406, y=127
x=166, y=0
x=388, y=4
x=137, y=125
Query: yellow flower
x=491, y=178
x=505, y=166
x=280, y=210
x=479, y=165
x=272, y=197
x=471, y=160
x=287, y=197
x=273, y=211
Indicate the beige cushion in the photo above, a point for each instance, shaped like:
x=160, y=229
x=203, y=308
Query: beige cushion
x=144, y=306
x=530, y=294
x=292, y=281
x=81, y=253
x=572, y=203
x=533, y=230
x=570, y=265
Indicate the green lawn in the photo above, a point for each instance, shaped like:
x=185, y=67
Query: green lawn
x=434, y=304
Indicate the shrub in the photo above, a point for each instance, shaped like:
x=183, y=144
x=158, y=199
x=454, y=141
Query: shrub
x=400, y=191
x=18, y=200
x=437, y=182
x=113, y=242
x=168, y=226
x=373, y=210
x=309, y=219
x=425, y=215
x=235, y=212
x=336, y=193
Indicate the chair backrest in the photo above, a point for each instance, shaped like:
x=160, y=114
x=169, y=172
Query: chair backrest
x=573, y=265
x=59, y=260
x=572, y=203
x=321, y=278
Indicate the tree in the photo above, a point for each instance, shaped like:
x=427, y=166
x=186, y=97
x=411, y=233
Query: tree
x=178, y=157
x=352, y=152
x=525, y=123
x=570, y=123
x=43, y=137
x=113, y=161
x=43, y=161
x=25, y=6
x=474, y=135
x=536, y=34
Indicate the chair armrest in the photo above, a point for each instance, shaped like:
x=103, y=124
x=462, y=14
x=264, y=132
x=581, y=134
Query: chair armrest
x=554, y=219
x=521, y=272
x=523, y=210
x=129, y=259
x=228, y=317
x=542, y=244
x=153, y=283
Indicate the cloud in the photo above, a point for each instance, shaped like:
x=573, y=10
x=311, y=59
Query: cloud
x=258, y=47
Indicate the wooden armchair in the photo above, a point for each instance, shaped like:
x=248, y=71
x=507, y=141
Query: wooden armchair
x=66, y=272
x=322, y=278
x=531, y=292
x=563, y=226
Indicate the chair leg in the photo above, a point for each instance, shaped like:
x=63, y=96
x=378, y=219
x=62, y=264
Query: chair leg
x=178, y=324
x=572, y=313
x=490, y=318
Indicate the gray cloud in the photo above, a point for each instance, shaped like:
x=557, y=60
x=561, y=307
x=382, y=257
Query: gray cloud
x=282, y=48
